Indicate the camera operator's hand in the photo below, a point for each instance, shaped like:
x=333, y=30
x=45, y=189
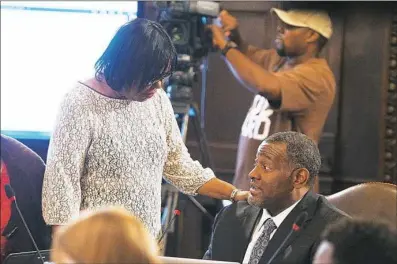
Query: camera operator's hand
x=218, y=37
x=228, y=21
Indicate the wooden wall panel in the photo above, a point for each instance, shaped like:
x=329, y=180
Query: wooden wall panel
x=333, y=54
x=366, y=42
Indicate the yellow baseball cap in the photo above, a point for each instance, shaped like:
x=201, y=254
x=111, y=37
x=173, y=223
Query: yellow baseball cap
x=316, y=20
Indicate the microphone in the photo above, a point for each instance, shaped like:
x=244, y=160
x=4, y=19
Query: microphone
x=11, y=195
x=176, y=213
x=296, y=227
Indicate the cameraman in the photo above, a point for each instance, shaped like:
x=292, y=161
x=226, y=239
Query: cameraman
x=294, y=88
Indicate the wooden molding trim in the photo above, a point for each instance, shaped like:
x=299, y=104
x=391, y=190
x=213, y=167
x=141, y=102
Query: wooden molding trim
x=390, y=129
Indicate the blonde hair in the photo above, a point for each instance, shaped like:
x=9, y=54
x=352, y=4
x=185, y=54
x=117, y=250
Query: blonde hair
x=110, y=235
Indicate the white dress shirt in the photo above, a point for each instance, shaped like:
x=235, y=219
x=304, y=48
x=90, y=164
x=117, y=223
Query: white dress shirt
x=278, y=219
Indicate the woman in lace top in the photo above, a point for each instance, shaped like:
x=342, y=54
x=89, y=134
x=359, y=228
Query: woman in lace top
x=116, y=136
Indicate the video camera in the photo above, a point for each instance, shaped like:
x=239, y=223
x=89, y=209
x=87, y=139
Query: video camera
x=185, y=22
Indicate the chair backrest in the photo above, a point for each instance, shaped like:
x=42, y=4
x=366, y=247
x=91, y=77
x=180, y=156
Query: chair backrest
x=373, y=201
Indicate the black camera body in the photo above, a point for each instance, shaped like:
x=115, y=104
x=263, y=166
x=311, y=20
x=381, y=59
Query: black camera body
x=186, y=23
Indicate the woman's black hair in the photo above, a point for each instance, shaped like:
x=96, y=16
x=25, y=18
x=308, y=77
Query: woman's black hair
x=140, y=53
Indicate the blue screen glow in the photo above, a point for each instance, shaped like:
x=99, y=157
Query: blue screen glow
x=46, y=46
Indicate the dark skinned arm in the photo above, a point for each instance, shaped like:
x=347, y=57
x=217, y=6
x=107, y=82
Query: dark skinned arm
x=252, y=75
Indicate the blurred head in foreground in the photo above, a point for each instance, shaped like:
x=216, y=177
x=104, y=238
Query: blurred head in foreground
x=110, y=235
x=357, y=241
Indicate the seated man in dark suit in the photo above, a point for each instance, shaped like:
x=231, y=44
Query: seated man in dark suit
x=281, y=182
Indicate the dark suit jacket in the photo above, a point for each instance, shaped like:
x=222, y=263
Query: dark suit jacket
x=26, y=171
x=234, y=225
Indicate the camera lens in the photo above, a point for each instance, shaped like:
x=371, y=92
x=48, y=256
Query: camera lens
x=178, y=32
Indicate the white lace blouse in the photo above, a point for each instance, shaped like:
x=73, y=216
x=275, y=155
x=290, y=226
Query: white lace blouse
x=106, y=151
